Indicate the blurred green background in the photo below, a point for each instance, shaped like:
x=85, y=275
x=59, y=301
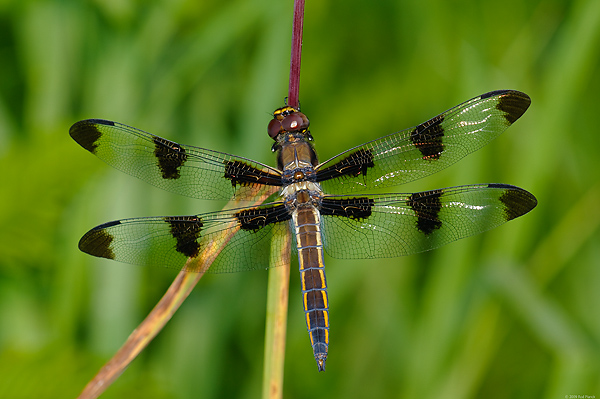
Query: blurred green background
x=514, y=312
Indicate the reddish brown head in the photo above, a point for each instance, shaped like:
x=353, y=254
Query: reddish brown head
x=287, y=119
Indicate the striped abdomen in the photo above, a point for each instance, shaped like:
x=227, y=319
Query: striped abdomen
x=306, y=222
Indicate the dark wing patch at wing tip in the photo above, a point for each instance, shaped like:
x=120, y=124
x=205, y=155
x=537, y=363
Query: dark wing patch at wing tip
x=500, y=185
x=186, y=231
x=97, y=242
x=107, y=224
x=493, y=93
x=517, y=202
x=171, y=156
x=86, y=134
x=428, y=137
x=101, y=122
x=513, y=104
x=427, y=206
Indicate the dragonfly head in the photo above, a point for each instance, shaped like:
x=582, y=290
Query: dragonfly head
x=287, y=120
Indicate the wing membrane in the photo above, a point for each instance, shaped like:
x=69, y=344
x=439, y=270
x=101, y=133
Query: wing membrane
x=383, y=226
x=420, y=151
x=186, y=170
x=245, y=234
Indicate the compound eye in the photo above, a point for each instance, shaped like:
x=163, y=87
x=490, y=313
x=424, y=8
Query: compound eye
x=274, y=128
x=292, y=122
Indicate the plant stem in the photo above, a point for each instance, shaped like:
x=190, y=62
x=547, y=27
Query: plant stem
x=179, y=289
x=279, y=277
x=276, y=323
x=294, y=88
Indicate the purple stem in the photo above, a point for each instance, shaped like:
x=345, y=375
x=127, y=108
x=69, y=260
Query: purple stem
x=293, y=92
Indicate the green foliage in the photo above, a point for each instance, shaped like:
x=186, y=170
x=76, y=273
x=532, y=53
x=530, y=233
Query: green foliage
x=514, y=312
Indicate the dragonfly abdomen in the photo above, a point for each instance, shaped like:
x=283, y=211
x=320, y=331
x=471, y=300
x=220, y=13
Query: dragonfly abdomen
x=312, y=279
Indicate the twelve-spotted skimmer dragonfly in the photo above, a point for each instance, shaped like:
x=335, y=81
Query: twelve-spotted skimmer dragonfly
x=317, y=201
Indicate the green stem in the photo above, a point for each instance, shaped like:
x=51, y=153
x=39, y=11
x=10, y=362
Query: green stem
x=276, y=323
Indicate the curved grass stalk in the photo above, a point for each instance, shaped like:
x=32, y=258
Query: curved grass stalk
x=163, y=311
x=276, y=323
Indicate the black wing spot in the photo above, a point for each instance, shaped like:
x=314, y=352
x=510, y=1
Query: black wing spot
x=493, y=93
x=171, y=156
x=427, y=206
x=516, y=201
x=513, y=104
x=97, y=241
x=254, y=219
x=86, y=134
x=353, y=208
x=428, y=138
x=186, y=231
x=355, y=164
x=246, y=175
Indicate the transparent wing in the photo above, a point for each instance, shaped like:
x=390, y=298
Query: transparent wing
x=243, y=236
x=186, y=170
x=383, y=226
x=420, y=151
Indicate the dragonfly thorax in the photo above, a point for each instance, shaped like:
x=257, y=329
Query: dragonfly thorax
x=309, y=196
x=292, y=190
x=298, y=175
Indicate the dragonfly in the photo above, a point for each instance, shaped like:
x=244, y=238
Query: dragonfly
x=319, y=205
